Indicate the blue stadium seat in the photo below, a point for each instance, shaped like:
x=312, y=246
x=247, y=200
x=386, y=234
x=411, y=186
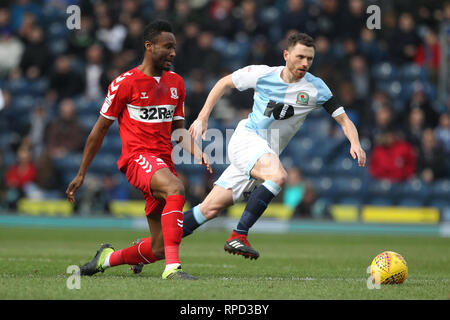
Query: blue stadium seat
x=355, y=201
x=345, y=186
x=412, y=72
x=440, y=203
x=312, y=166
x=410, y=202
x=39, y=86
x=104, y=163
x=381, y=191
x=379, y=201
x=440, y=189
x=385, y=71
x=112, y=144
x=345, y=166
x=414, y=189
x=69, y=163
x=17, y=87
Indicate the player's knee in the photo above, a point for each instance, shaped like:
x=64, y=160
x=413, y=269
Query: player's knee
x=280, y=177
x=175, y=187
x=209, y=211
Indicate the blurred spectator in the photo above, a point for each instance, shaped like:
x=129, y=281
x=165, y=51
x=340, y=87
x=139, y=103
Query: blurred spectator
x=431, y=158
x=5, y=22
x=415, y=127
x=130, y=10
x=28, y=24
x=80, y=39
x=196, y=98
x=371, y=47
x=419, y=99
x=295, y=17
x=19, y=175
x=188, y=48
x=93, y=71
x=360, y=77
x=294, y=189
x=392, y=158
x=305, y=208
x=34, y=62
x=261, y=52
x=428, y=54
x=329, y=19
x=248, y=21
x=38, y=124
x=324, y=59
x=110, y=34
x=403, y=43
x=133, y=44
x=65, y=82
x=20, y=9
x=48, y=182
x=352, y=105
x=384, y=119
x=353, y=20
x=221, y=19
x=183, y=15
x=65, y=133
x=114, y=189
x=11, y=50
x=442, y=133
x=161, y=10
x=205, y=55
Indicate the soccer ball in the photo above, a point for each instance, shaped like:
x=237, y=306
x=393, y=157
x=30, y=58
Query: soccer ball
x=389, y=268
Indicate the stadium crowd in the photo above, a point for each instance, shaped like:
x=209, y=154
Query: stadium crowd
x=53, y=81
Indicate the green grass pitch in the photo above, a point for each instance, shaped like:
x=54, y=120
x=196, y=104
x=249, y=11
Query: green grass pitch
x=33, y=264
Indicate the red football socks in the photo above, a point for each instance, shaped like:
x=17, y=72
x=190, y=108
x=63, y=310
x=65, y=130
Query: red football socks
x=172, y=227
x=139, y=253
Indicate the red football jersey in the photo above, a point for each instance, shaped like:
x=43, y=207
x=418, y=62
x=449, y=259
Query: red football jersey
x=145, y=108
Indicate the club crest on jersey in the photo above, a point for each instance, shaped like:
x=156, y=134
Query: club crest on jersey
x=173, y=93
x=302, y=97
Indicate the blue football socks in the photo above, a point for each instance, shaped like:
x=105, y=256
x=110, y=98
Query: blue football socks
x=257, y=203
x=193, y=218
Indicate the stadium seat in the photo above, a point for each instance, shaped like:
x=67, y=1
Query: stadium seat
x=440, y=189
x=410, y=202
x=377, y=190
x=385, y=71
x=379, y=201
x=412, y=72
x=414, y=189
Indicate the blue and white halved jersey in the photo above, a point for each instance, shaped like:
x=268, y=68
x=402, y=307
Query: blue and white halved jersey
x=280, y=105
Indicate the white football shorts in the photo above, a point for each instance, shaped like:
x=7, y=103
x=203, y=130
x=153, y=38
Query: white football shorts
x=244, y=149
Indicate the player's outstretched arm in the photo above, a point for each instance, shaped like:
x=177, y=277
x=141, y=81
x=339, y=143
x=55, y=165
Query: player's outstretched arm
x=352, y=135
x=199, y=126
x=93, y=144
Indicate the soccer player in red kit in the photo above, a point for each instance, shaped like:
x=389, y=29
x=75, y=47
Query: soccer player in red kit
x=148, y=103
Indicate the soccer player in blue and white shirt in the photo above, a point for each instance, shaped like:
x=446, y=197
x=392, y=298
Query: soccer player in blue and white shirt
x=283, y=97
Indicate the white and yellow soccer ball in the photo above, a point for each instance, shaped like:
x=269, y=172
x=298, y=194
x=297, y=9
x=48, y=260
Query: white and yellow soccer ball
x=389, y=268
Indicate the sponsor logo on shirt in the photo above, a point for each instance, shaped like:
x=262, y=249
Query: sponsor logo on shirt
x=151, y=114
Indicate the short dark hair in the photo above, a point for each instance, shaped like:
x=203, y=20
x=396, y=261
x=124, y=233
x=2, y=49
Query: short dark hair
x=155, y=28
x=299, y=37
